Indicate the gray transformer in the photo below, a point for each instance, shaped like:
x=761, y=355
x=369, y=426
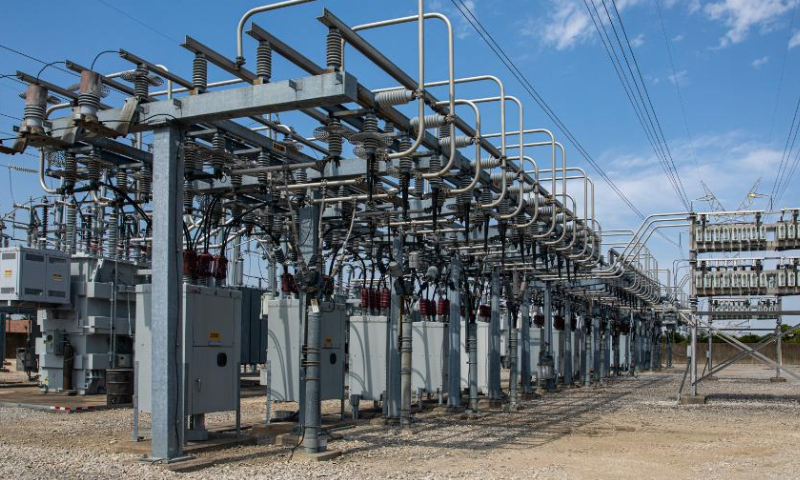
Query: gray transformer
x=211, y=336
x=285, y=341
x=98, y=325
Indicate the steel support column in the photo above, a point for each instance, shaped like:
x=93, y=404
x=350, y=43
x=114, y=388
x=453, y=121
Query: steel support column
x=454, y=334
x=525, y=338
x=596, y=332
x=494, y=338
x=568, y=377
x=393, y=345
x=2, y=340
x=547, y=337
x=586, y=337
x=778, y=352
x=167, y=265
x=308, y=233
x=693, y=359
x=670, y=338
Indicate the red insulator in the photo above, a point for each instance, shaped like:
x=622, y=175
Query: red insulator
x=485, y=311
x=385, y=298
x=373, y=298
x=220, y=267
x=423, y=307
x=442, y=307
x=538, y=320
x=573, y=323
x=205, y=265
x=189, y=263
x=558, y=322
x=364, y=297
x=287, y=283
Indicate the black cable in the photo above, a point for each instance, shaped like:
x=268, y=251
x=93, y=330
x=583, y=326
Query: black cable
x=46, y=65
x=629, y=90
x=668, y=162
x=135, y=205
x=140, y=22
x=647, y=94
x=677, y=85
x=783, y=71
x=91, y=67
x=4, y=47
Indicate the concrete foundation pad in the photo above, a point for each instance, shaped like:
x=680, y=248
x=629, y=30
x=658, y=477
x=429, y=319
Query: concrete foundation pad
x=690, y=400
x=777, y=379
x=213, y=444
x=492, y=403
x=23, y=396
x=447, y=409
x=190, y=465
x=302, y=456
x=289, y=439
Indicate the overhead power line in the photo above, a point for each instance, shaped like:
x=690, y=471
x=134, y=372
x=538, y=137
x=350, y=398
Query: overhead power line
x=635, y=87
x=531, y=90
x=31, y=57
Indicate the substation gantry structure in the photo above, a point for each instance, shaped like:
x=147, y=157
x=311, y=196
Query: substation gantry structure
x=741, y=267
x=431, y=220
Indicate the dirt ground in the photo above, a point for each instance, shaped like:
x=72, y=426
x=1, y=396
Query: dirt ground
x=625, y=429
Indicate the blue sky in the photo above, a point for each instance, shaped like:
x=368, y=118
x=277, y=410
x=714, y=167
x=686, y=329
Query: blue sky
x=729, y=56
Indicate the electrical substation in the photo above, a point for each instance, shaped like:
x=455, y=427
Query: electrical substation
x=425, y=256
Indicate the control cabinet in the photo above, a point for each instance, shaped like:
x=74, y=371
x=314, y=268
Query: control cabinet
x=34, y=275
x=210, y=321
x=368, y=356
x=483, y=357
x=284, y=348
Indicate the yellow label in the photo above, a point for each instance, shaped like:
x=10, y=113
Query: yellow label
x=57, y=277
x=8, y=273
x=215, y=336
x=328, y=342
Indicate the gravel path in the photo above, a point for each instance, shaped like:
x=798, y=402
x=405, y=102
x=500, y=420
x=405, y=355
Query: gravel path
x=628, y=429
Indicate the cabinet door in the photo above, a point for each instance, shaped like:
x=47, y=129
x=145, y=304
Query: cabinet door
x=212, y=378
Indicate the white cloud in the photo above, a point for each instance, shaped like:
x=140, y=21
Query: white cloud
x=567, y=23
x=678, y=38
x=760, y=62
x=637, y=41
x=742, y=16
x=795, y=40
x=681, y=77
x=729, y=163
x=463, y=28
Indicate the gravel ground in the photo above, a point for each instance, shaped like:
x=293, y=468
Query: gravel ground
x=628, y=429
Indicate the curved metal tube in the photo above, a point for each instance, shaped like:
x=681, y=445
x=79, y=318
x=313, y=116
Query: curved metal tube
x=253, y=11
x=420, y=17
x=476, y=178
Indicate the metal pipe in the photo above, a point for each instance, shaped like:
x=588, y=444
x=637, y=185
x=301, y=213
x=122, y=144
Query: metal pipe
x=420, y=17
x=253, y=11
